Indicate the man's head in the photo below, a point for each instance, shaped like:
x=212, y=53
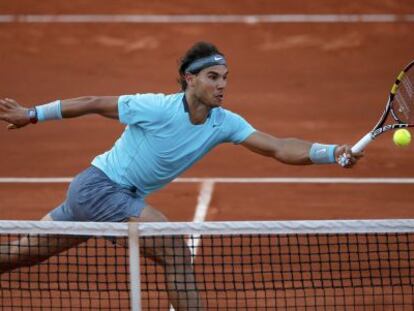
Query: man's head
x=203, y=72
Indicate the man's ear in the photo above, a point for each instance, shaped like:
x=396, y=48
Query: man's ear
x=189, y=78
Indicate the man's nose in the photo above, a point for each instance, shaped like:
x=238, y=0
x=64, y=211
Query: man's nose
x=221, y=84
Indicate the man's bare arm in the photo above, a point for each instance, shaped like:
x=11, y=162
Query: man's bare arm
x=106, y=106
x=296, y=151
x=286, y=150
x=18, y=116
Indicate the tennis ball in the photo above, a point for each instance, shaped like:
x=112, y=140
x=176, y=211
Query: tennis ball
x=402, y=137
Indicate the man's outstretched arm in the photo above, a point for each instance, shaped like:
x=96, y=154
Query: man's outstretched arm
x=19, y=116
x=298, y=152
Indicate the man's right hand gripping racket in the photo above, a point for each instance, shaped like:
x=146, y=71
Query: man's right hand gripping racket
x=400, y=106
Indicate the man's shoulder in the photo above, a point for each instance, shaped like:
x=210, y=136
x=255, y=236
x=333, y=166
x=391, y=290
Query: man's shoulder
x=233, y=124
x=148, y=107
x=225, y=112
x=152, y=101
x=163, y=100
x=173, y=98
x=222, y=115
x=158, y=97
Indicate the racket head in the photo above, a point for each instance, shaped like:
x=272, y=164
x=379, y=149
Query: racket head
x=402, y=96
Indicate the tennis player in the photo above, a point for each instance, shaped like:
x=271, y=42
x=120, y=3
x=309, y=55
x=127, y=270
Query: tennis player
x=165, y=134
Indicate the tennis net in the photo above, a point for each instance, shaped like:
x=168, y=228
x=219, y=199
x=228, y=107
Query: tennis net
x=291, y=265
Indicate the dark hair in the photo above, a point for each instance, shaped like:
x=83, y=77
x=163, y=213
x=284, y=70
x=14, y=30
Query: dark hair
x=199, y=50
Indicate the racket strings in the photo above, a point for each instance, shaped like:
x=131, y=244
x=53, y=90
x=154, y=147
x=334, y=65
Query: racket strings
x=403, y=104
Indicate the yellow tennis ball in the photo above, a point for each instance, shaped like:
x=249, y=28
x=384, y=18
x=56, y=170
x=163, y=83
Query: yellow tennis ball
x=402, y=137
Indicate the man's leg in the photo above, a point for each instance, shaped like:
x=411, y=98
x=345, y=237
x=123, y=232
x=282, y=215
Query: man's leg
x=174, y=255
x=31, y=250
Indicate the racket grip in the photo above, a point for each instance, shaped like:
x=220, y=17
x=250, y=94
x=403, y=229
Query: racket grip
x=362, y=143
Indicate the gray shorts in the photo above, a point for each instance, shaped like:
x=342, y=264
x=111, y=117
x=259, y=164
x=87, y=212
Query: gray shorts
x=92, y=196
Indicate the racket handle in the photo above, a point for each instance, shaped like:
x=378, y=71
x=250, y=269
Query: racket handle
x=362, y=143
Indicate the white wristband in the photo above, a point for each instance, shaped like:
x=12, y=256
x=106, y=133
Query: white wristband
x=50, y=111
x=322, y=154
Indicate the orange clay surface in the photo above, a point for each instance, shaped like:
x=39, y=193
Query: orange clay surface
x=320, y=82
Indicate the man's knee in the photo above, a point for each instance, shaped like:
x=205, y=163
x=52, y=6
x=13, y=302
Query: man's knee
x=168, y=250
x=47, y=217
x=149, y=214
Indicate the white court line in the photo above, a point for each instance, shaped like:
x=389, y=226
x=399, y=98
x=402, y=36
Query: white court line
x=204, y=199
x=300, y=180
x=206, y=18
x=238, y=180
x=35, y=180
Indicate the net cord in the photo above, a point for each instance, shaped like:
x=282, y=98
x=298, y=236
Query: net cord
x=209, y=228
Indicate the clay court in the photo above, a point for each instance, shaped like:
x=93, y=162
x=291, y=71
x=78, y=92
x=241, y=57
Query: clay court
x=325, y=82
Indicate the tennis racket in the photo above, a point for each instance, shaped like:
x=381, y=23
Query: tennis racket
x=400, y=107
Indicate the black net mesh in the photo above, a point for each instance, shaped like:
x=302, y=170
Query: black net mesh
x=372, y=271
x=92, y=276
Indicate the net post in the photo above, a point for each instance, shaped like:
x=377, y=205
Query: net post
x=134, y=266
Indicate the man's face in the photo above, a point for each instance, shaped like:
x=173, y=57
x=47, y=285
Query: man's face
x=209, y=84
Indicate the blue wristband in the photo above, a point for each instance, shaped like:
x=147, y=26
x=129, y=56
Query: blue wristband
x=322, y=154
x=50, y=111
